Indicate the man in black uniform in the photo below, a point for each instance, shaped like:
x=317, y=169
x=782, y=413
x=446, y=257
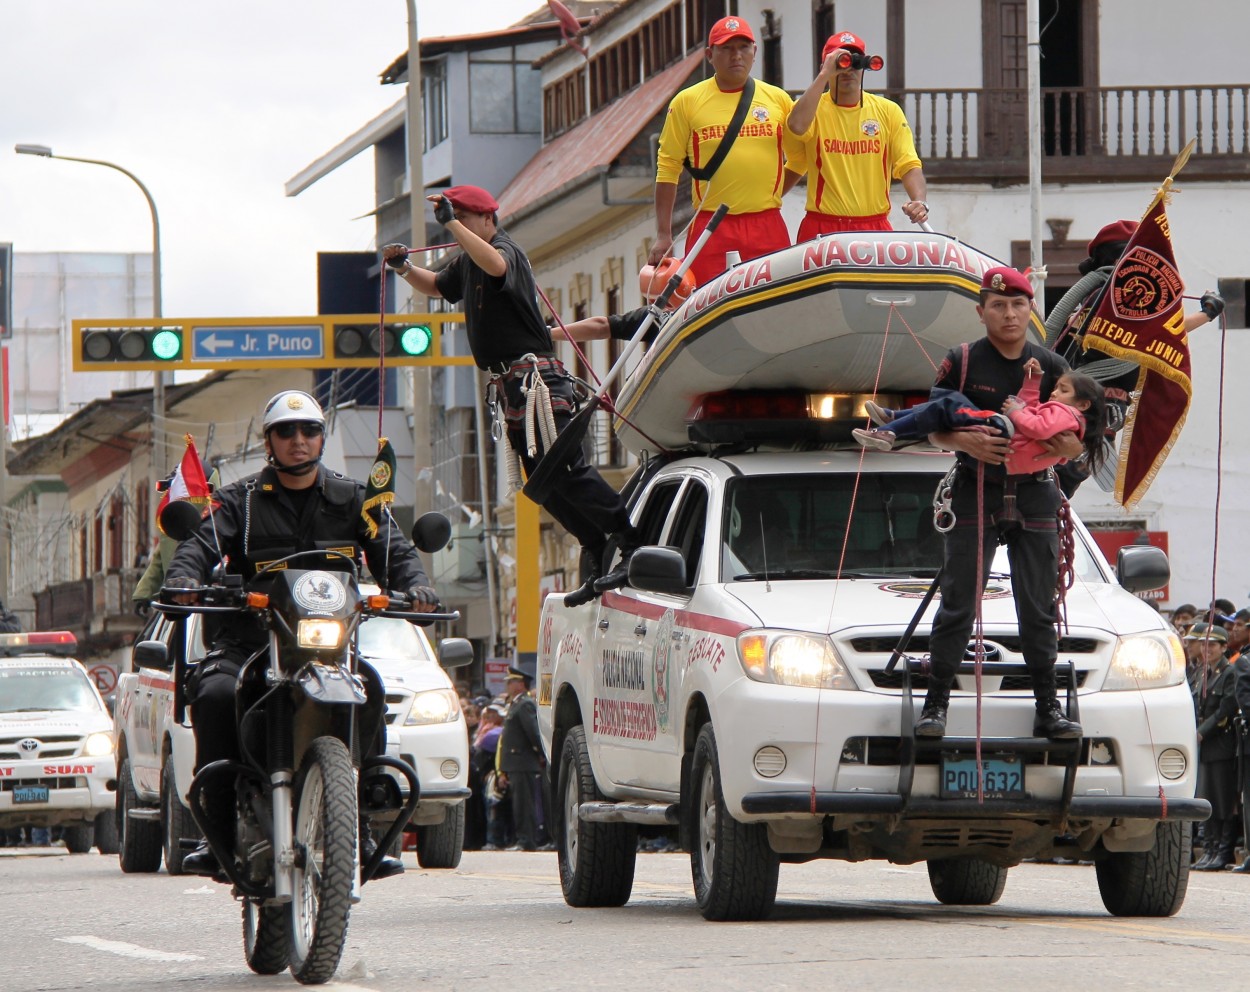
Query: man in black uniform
x=519, y=757
x=1241, y=684
x=1215, y=709
x=292, y=505
x=509, y=339
x=1019, y=511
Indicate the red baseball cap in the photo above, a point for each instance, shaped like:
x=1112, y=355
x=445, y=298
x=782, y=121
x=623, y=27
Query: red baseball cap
x=729, y=27
x=1006, y=281
x=1120, y=230
x=843, y=39
x=471, y=198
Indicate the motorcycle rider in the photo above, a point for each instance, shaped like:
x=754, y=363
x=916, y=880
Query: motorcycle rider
x=294, y=504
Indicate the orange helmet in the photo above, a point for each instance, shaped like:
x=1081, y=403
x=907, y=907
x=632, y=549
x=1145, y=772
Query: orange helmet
x=653, y=278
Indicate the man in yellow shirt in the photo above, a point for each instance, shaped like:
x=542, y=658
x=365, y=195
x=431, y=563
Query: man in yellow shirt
x=752, y=177
x=850, y=145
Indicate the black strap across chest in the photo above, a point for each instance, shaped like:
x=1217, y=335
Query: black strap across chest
x=705, y=172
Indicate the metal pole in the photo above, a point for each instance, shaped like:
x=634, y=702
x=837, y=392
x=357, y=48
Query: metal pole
x=1033, y=30
x=158, y=378
x=422, y=452
x=483, y=488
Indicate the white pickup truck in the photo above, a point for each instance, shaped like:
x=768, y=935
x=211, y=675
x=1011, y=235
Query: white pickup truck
x=56, y=748
x=740, y=689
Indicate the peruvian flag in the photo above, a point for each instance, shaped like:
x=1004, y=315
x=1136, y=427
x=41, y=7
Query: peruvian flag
x=187, y=482
x=1140, y=319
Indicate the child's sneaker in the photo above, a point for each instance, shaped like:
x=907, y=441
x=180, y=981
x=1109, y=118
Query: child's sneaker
x=874, y=437
x=879, y=415
x=1002, y=424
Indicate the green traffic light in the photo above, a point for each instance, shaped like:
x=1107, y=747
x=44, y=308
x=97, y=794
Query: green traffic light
x=415, y=340
x=166, y=345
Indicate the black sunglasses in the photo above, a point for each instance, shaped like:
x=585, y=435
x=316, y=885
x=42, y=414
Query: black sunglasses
x=287, y=429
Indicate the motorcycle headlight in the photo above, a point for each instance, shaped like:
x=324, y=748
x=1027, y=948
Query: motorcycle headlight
x=1147, y=661
x=319, y=634
x=97, y=745
x=433, y=706
x=787, y=658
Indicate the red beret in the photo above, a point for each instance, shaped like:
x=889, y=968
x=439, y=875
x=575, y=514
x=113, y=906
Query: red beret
x=729, y=27
x=1006, y=282
x=843, y=39
x=471, y=198
x=1120, y=230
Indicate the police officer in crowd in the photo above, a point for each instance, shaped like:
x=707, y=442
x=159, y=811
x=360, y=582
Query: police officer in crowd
x=1215, y=707
x=519, y=757
x=1239, y=655
x=294, y=504
x=509, y=338
x=988, y=371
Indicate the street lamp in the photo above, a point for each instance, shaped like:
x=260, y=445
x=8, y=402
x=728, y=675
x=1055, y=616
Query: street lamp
x=158, y=386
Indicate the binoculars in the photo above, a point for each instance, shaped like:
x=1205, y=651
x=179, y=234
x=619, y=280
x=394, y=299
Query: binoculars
x=854, y=60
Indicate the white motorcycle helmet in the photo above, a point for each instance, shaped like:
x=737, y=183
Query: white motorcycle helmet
x=292, y=404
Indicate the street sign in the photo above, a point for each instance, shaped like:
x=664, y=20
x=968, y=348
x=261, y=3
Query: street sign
x=211, y=343
x=216, y=343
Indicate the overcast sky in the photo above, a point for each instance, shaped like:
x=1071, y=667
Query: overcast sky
x=214, y=106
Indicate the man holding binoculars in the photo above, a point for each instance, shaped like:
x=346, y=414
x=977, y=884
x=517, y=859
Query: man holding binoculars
x=850, y=145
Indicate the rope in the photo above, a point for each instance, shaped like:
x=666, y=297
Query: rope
x=1067, y=557
x=979, y=626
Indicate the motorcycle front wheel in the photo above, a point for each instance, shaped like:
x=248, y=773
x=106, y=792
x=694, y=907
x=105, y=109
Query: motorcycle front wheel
x=325, y=857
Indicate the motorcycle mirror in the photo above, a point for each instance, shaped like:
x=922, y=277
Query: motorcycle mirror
x=431, y=532
x=180, y=519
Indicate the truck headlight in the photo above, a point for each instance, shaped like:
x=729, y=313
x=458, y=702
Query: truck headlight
x=785, y=657
x=433, y=706
x=1146, y=661
x=319, y=633
x=97, y=745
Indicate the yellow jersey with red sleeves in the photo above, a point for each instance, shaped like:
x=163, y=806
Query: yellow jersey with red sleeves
x=750, y=177
x=850, y=154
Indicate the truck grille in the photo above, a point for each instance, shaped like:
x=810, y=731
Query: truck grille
x=51, y=746
x=882, y=679
x=54, y=782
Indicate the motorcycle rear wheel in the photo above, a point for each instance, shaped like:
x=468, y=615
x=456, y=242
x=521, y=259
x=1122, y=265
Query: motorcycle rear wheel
x=325, y=854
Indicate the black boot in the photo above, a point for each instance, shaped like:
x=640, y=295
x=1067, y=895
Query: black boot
x=1221, y=851
x=388, y=866
x=201, y=861
x=1051, y=722
x=932, y=722
x=627, y=541
x=591, y=567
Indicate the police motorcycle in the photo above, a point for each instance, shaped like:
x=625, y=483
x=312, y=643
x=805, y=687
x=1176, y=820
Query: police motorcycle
x=305, y=779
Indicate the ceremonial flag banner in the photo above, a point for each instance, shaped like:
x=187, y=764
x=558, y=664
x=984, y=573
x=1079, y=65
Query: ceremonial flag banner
x=1140, y=319
x=381, y=487
x=187, y=482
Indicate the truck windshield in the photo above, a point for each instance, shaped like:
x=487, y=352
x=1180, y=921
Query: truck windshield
x=794, y=526
x=28, y=690
x=389, y=637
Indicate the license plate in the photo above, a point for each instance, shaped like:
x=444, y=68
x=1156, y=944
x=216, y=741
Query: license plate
x=30, y=794
x=1003, y=777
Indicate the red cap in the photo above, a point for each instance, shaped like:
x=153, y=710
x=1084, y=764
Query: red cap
x=1120, y=230
x=471, y=198
x=843, y=39
x=1006, y=282
x=729, y=27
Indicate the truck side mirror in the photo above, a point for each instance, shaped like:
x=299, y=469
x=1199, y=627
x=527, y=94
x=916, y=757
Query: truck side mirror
x=1140, y=568
x=657, y=569
x=455, y=652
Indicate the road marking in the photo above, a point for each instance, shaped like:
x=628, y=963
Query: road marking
x=129, y=950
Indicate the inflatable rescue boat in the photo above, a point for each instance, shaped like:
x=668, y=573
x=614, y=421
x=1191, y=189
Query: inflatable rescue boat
x=850, y=313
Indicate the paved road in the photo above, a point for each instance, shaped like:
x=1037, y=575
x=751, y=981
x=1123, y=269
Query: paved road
x=76, y=922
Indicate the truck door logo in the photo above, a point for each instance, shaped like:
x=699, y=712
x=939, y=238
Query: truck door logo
x=660, y=668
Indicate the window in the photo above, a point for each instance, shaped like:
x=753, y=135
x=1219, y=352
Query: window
x=687, y=533
x=655, y=512
x=504, y=91
x=434, y=101
x=822, y=28
x=770, y=48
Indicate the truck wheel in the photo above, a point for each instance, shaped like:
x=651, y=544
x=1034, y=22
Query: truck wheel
x=79, y=838
x=439, y=845
x=596, y=859
x=106, y=840
x=139, y=840
x=176, y=823
x=1147, y=883
x=966, y=881
x=734, y=868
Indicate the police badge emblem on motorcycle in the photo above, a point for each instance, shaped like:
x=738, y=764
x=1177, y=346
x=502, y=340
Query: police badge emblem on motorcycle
x=319, y=592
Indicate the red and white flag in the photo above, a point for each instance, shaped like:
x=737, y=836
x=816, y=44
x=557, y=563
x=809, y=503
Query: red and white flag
x=187, y=482
x=1140, y=319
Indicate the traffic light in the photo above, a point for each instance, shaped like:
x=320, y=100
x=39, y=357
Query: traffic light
x=357, y=341
x=132, y=347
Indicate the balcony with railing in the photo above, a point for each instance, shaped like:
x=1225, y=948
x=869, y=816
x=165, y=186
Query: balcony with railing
x=1094, y=134
x=98, y=610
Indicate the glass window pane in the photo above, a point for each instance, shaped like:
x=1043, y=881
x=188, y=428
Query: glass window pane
x=490, y=98
x=529, y=100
